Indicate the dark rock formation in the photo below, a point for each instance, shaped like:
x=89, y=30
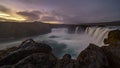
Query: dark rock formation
x=92, y=57
x=113, y=37
x=24, y=50
x=7, y=51
x=113, y=55
x=14, y=30
x=6, y=66
x=113, y=50
x=37, y=60
x=54, y=36
x=65, y=62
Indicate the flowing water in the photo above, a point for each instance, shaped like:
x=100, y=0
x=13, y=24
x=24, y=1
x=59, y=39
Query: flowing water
x=62, y=42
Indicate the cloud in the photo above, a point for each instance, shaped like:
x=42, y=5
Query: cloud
x=30, y=15
x=49, y=18
x=4, y=20
x=70, y=11
x=4, y=9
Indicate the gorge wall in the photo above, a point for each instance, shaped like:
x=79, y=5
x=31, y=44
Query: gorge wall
x=11, y=30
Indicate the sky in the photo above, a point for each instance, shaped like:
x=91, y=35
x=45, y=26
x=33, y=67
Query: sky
x=60, y=11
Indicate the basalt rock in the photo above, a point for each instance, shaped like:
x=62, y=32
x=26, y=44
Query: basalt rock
x=66, y=62
x=37, y=60
x=27, y=48
x=6, y=66
x=7, y=51
x=113, y=50
x=113, y=55
x=92, y=57
x=113, y=37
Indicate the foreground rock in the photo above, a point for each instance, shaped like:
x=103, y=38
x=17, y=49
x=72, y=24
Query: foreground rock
x=27, y=48
x=37, y=60
x=92, y=57
x=113, y=50
x=113, y=55
x=66, y=62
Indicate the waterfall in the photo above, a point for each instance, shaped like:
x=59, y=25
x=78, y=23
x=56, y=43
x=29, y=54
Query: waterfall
x=99, y=33
x=76, y=30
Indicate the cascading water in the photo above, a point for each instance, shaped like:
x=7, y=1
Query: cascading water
x=99, y=33
x=76, y=30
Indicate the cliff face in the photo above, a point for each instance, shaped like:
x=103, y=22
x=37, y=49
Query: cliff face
x=31, y=54
x=19, y=30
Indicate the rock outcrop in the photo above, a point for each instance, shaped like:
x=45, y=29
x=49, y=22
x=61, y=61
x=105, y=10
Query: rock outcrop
x=65, y=62
x=14, y=30
x=113, y=37
x=27, y=48
x=92, y=57
x=37, y=60
x=113, y=50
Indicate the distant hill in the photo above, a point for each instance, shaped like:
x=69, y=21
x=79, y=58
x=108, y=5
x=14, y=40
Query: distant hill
x=113, y=23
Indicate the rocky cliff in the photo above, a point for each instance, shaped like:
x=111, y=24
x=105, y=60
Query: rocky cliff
x=31, y=54
x=11, y=30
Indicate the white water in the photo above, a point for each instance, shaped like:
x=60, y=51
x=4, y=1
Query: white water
x=62, y=42
x=76, y=30
x=100, y=33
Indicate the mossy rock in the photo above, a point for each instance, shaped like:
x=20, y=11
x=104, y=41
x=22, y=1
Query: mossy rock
x=113, y=37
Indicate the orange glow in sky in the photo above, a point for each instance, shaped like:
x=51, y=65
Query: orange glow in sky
x=11, y=17
x=52, y=22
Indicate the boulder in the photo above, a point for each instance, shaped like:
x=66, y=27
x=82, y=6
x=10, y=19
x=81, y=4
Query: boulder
x=25, y=49
x=7, y=51
x=65, y=62
x=113, y=50
x=113, y=37
x=92, y=57
x=37, y=60
x=113, y=55
x=6, y=66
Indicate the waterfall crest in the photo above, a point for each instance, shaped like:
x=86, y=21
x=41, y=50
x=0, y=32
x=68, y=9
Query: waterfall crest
x=99, y=33
x=76, y=30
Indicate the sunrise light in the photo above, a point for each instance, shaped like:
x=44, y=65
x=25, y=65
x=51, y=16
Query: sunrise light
x=52, y=22
x=12, y=17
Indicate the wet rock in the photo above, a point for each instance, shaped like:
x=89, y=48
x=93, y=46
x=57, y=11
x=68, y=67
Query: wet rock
x=25, y=49
x=65, y=62
x=113, y=37
x=6, y=66
x=92, y=57
x=38, y=60
x=7, y=51
x=113, y=50
x=113, y=55
x=54, y=36
x=30, y=44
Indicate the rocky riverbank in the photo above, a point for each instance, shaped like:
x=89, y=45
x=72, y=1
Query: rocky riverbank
x=31, y=54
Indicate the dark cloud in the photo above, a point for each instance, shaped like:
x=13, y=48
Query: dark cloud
x=30, y=15
x=49, y=18
x=4, y=9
